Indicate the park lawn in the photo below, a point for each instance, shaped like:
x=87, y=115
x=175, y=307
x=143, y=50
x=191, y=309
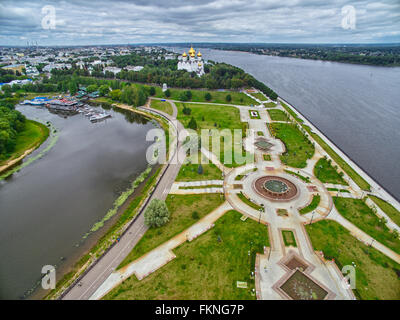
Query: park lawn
x=248, y=202
x=291, y=112
x=33, y=135
x=207, y=116
x=358, y=213
x=326, y=173
x=376, y=276
x=259, y=96
x=217, y=117
x=277, y=115
x=206, y=268
x=270, y=105
x=313, y=205
x=188, y=171
x=162, y=106
x=386, y=207
x=181, y=208
x=298, y=175
x=288, y=238
x=298, y=148
x=238, y=98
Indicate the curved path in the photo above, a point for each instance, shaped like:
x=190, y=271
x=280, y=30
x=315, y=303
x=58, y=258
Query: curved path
x=93, y=279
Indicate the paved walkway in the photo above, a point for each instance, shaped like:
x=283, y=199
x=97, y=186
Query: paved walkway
x=110, y=261
x=161, y=255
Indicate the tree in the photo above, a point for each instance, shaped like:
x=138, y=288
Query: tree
x=115, y=94
x=167, y=93
x=228, y=98
x=91, y=88
x=104, y=90
x=152, y=91
x=183, y=96
x=72, y=87
x=208, y=96
x=189, y=94
x=187, y=111
x=156, y=214
x=192, y=124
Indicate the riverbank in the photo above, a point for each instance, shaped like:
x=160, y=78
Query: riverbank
x=124, y=216
x=31, y=138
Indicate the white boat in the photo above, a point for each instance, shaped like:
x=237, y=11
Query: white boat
x=99, y=117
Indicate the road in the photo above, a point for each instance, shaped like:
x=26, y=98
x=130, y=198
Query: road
x=111, y=260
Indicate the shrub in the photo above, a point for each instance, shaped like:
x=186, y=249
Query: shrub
x=156, y=214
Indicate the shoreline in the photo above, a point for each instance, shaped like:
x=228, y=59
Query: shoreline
x=11, y=162
x=153, y=177
x=388, y=196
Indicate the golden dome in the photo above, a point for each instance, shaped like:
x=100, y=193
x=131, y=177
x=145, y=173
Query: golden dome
x=199, y=54
x=184, y=54
x=192, y=51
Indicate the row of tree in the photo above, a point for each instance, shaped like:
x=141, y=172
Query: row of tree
x=11, y=123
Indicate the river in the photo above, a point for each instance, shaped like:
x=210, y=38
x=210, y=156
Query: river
x=356, y=106
x=48, y=206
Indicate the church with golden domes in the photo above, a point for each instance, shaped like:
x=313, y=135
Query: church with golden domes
x=191, y=62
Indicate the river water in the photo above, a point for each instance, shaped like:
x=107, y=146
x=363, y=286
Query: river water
x=48, y=206
x=357, y=107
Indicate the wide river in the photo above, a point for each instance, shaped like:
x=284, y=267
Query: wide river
x=357, y=107
x=48, y=206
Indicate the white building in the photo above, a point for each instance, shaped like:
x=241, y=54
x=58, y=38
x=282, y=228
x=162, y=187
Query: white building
x=191, y=62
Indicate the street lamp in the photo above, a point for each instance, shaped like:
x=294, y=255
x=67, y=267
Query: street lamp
x=312, y=217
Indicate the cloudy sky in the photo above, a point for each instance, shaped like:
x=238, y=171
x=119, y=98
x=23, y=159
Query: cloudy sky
x=78, y=22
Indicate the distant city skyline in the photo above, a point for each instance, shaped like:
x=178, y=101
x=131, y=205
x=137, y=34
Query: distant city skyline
x=65, y=23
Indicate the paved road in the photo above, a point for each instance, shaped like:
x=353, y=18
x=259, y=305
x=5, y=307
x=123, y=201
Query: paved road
x=110, y=261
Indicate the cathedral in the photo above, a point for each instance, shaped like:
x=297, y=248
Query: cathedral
x=191, y=62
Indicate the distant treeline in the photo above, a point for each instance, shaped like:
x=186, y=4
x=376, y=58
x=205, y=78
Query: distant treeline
x=218, y=75
x=379, y=55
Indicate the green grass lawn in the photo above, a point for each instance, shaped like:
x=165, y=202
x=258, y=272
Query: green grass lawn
x=357, y=212
x=181, y=208
x=298, y=175
x=206, y=268
x=238, y=98
x=326, y=173
x=162, y=106
x=298, y=147
x=248, y=202
x=270, y=105
x=288, y=238
x=277, y=115
x=216, y=117
x=291, y=112
x=376, y=276
x=259, y=96
x=313, y=205
x=189, y=170
x=391, y=211
x=32, y=136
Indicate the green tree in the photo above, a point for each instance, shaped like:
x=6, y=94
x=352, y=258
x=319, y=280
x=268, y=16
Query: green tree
x=208, y=96
x=156, y=214
x=115, y=94
x=192, y=124
x=152, y=91
x=228, y=98
x=104, y=90
x=73, y=87
x=91, y=88
x=167, y=93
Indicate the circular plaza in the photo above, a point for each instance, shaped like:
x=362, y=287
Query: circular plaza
x=275, y=188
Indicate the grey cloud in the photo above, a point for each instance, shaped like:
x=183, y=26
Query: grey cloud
x=141, y=21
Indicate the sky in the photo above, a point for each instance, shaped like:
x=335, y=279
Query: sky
x=97, y=22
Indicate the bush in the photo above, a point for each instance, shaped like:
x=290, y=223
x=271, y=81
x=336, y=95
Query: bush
x=187, y=111
x=208, y=96
x=152, y=91
x=195, y=215
x=167, y=93
x=228, y=98
x=156, y=214
x=192, y=124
